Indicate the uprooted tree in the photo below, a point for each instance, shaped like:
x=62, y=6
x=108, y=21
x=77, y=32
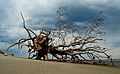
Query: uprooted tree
x=68, y=42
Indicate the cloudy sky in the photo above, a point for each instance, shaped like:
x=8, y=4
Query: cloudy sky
x=41, y=14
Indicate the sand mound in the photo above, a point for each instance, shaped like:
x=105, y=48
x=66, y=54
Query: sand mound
x=13, y=65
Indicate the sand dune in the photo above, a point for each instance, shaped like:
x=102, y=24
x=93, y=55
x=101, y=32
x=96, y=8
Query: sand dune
x=13, y=65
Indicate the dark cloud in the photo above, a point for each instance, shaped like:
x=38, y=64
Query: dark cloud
x=2, y=15
x=116, y=44
x=112, y=21
x=80, y=14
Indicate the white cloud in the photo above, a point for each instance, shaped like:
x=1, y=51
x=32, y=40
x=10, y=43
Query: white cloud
x=115, y=53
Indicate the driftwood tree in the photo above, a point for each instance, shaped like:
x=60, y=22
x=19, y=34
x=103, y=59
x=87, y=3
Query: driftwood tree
x=36, y=43
x=67, y=42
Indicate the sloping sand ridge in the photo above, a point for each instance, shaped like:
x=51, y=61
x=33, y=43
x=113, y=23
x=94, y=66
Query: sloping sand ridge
x=13, y=65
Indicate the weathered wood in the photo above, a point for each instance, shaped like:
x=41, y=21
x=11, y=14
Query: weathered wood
x=83, y=49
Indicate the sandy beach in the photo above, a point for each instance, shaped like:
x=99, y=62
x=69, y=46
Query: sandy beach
x=14, y=65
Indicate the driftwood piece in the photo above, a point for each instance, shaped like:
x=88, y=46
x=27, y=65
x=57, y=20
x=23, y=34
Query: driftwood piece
x=83, y=49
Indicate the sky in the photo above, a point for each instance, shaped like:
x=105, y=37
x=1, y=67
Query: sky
x=41, y=14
